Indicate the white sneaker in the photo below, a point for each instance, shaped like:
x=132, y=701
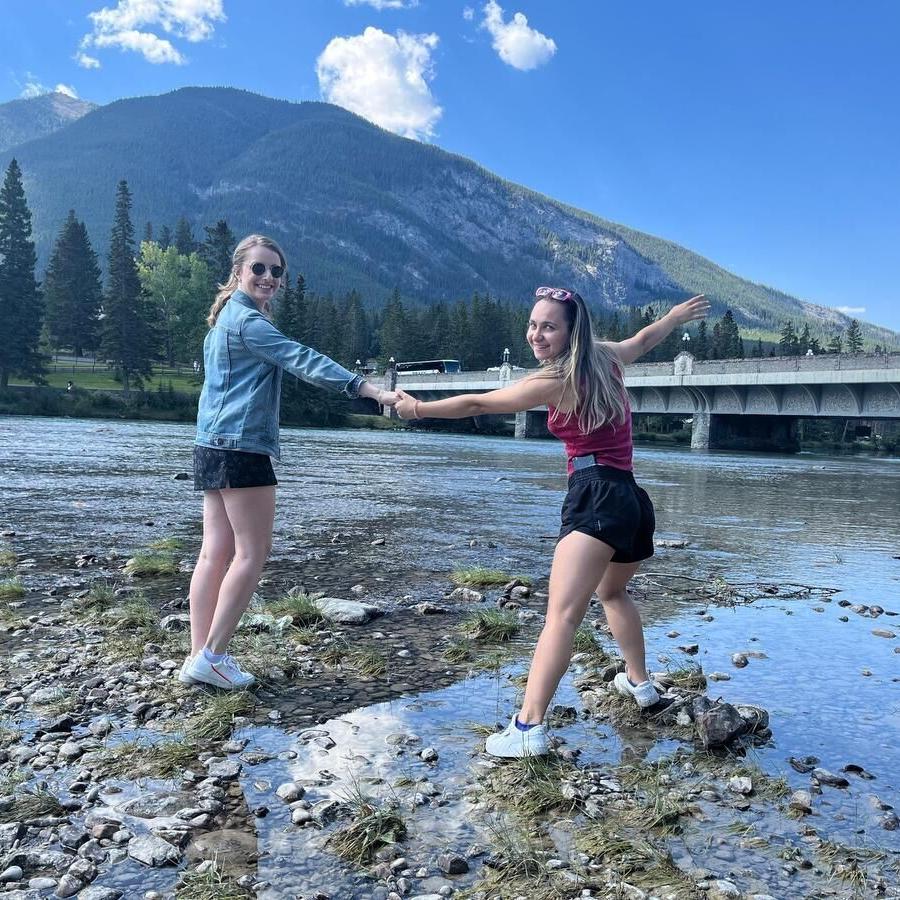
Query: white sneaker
x=226, y=673
x=512, y=743
x=183, y=675
x=644, y=693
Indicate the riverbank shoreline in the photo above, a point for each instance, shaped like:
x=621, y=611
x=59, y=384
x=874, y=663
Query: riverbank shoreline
x=116, y=781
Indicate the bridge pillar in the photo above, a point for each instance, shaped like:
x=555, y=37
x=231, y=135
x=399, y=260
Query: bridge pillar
x=390, y=384
x=700, y=430
x=530, y=423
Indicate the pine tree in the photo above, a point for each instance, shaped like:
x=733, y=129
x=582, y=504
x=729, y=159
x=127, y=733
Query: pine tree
x=184, y=237
x=393, y=331
x=355, y=332
x=803, y=340
x=128, y=339
x=148, y=232
x=836, y=344
x=285, y=317
x=757, y=351
x=732, y=346
x=853, y=336
x=21, y=306
x=216, y=251
x=165, y=237
x=701, y=346
x=72, y=289
x=788, y=345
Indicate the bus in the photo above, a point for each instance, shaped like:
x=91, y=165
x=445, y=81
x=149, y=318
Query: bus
x=430, y=366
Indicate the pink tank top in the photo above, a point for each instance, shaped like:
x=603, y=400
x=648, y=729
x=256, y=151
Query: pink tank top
x=610, y=445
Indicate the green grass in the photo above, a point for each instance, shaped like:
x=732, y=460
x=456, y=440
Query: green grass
x=163, y=760
x=134, y=612
x=211, y=884
x=532, y=786
x=368, y=661
x=481, y=577
x=143, y=565
x=459, y=652
x=100, y=598
x=335, y=653
x=300, y=607
x=371, y=829
x=8, y=559
x=492, y=625
x=215, y=719
x=32, y=804
x=101, y=379
x=11, y=589
x=167, y=544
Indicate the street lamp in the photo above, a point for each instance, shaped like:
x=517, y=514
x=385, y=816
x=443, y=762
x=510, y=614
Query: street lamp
x=506, y=355
x=685, y=339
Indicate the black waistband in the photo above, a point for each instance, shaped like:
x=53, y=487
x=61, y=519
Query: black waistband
x=607, y=473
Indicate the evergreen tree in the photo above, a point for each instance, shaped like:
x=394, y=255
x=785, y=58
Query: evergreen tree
x=803, y=340
x=72, y=289
x=788, y=345
x=148, y=232
x=732, y=346
x=285, y=317
x=460, y=334
x=853, y=336
x=21, y=307
x=301, y=313
x=165, y=237
x=701, y=345
x=217, y=249
x=128, y=339
x=355, y=338
x=393, y=332
x=757, y=351
x=836, y=344
x=715, y=345
x=184, y=237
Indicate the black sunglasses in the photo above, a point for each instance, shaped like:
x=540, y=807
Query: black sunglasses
x=259, y=268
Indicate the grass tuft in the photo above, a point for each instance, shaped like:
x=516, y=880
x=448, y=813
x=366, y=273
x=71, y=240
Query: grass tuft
x=210, y=884
x=494, y=625
x=8, y=559
x=163, y=760
x=34, y=803
x=169, y=544
x=300, y=607
x=368, y=661
x=11, y=589
x=478, y=576
x=459, y=652
x=371, y=828
x=216, y=718
x=144, y=565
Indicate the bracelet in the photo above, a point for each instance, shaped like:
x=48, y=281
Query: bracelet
x=416, y=410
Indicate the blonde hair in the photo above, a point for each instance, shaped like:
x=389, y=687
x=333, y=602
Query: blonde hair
x=238, y=258
x=591, y=374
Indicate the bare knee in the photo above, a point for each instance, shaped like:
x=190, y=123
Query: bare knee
x=569, y=617
x=217, y=556
x=254, y=554
x=612, y=595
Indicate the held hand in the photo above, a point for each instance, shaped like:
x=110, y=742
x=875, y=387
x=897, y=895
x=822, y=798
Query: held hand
x=405, y=406
x=695, y=308
x=388, y=398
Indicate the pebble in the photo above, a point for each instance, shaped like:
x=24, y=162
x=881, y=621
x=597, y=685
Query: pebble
x=13, y=873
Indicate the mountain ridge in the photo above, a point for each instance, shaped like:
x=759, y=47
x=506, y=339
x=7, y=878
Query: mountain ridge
x=357, y=207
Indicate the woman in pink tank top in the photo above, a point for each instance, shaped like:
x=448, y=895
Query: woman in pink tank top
x=607, y=520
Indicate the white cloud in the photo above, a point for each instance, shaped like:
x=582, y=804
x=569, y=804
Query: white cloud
x=468, y=13
x=87, y=62
x=383, y=4
x=33, y=88
x=851, y=310
x=384, y=78
x=126, y=25
x=517, y=44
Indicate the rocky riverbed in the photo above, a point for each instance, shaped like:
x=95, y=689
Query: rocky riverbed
x=356, y=769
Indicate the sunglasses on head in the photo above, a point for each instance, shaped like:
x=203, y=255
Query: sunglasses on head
x=259, y=268
x=554, y=293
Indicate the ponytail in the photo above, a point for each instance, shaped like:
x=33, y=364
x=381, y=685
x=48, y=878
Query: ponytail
x=222, y=297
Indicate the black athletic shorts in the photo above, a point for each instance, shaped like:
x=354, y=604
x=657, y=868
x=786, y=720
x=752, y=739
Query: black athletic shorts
x=607, y=504
x=216, y=469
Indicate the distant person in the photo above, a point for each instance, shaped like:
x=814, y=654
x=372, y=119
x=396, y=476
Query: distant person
x=70, y=386
x=607, y=520
x=196, y=367
x=244, y=356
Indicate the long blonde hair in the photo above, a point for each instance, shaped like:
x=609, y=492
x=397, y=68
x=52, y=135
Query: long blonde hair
x=591, y=374
x=238, y=258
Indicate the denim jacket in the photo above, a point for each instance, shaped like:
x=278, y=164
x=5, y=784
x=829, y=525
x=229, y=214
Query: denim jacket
x=243, y=356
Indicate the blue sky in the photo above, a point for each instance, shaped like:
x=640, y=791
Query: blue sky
x=764, y=136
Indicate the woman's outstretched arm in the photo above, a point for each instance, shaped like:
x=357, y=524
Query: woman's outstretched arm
x=529, y=392
x=646, y=339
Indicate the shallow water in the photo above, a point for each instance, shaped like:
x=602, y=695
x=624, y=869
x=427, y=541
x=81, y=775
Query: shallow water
x=70, y=486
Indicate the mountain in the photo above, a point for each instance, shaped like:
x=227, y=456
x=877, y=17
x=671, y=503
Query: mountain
x=25, y=120
x=358, y=207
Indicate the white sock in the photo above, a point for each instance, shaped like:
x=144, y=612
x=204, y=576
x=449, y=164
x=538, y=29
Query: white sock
x=212, y=657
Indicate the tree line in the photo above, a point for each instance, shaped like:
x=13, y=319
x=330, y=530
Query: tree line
x=152, y=307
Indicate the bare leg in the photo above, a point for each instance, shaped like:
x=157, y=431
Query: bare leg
x=251, y=513
x=623, y=618
x=215, y=555
x=578, y=565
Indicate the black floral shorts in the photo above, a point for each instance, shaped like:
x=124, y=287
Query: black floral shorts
x=216, y=469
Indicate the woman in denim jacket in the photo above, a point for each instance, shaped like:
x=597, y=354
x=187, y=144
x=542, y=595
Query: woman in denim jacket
x=237, y=433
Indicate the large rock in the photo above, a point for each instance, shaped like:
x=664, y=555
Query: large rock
x=347, y=612
x=153, y=851
x=153, y=807
x=719, y=724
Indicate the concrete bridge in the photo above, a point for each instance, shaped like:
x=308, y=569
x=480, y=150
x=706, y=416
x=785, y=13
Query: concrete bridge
x=752, y=402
